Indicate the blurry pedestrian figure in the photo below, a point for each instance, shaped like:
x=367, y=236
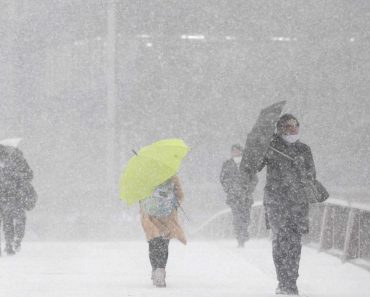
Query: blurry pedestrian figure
x=16, y=195
x=160, y=223
x=239, y=194
x=288, y=162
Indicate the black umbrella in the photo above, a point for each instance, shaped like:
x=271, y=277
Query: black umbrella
x=259, y=138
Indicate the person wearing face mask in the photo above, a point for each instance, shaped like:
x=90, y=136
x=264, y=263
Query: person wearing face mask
x=239, y=200
x=288, y=162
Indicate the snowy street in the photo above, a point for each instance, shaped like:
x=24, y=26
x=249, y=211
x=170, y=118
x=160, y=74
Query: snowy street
x=215, y=268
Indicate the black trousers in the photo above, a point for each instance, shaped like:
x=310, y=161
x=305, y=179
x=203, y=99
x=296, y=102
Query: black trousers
x=241, y=212
x=286, y=252
x=14, y=224
x=158, y=252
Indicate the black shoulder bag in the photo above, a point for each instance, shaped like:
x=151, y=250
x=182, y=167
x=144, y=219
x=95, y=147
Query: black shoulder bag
x=312, y=190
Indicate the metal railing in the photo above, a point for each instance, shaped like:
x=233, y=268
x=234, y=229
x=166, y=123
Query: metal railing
x=344, y=228
x=336, y=226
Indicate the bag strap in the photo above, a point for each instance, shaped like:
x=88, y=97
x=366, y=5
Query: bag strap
x=281, y=153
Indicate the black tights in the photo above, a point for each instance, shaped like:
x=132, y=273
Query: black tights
x=158, y=252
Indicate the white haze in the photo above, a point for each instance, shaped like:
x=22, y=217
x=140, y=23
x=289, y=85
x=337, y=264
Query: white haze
x=197, y=70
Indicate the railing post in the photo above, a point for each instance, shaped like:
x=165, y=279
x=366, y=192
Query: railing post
x=225, y=230
x=261, y=222
x=359, y=254
x=326, y=227
x=348, y=251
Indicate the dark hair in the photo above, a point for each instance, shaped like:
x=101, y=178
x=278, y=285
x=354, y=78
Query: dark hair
x=237, y=147
x=283, y=120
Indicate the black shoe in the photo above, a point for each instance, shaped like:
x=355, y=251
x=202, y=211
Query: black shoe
x=17, y=245
x=293, y=290
x=282, y=290
x=287, y=289
x=240, y=243
x=9, y=250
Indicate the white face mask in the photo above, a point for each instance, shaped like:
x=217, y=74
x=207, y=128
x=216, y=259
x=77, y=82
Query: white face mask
x=237, y=160
x=291, y=138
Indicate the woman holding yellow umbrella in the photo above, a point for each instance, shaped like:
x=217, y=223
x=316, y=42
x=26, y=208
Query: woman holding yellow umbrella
x=150, y=179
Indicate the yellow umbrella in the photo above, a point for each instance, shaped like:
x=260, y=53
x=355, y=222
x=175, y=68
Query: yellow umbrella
x=153, y=165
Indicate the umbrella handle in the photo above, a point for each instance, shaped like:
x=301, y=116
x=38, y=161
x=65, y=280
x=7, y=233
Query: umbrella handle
x=183, y=211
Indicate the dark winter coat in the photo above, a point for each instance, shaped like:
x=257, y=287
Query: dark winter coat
x=15, y=177
x=284, y=179
x=233, y=183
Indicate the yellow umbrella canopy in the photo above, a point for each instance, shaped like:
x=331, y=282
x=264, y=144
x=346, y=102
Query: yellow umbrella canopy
x=153, y=165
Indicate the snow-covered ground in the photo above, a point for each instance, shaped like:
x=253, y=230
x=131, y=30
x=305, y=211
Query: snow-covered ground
x=213, y=269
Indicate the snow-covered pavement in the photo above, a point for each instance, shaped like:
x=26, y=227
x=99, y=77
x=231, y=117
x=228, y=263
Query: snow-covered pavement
x=213, y=269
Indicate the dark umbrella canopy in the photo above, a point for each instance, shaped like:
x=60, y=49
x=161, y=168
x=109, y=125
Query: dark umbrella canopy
x=258, y=139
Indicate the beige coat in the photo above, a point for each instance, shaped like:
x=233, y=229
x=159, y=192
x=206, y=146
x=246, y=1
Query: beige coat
x=169, y=226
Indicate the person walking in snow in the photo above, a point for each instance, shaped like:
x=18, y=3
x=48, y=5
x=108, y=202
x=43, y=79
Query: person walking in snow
x=16, y=196
x=239, y=195
x=160, y=222
x=287, y=210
